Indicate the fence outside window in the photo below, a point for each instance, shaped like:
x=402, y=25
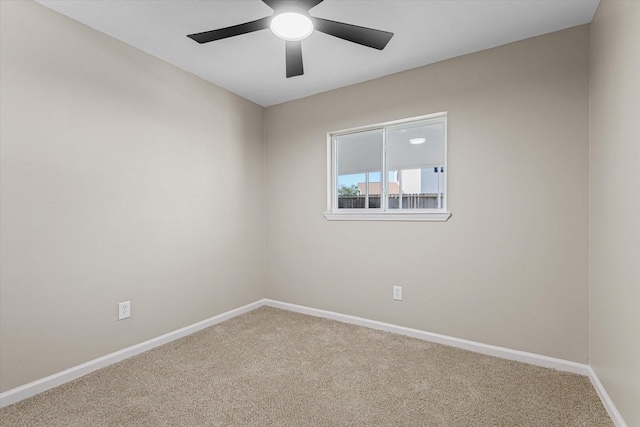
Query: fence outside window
x=409, y=201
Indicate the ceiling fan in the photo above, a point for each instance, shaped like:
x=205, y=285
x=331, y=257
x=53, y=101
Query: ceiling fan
x=292, y=23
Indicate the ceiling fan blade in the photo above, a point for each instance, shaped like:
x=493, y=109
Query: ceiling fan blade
x=235, y=30
x=376, y=39
x=300, y=4
x=294, y=58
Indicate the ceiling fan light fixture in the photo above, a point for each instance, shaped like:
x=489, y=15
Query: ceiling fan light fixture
x=291, y=26
x=416, y=141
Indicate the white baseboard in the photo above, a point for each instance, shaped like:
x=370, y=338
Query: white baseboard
x=19, y=393
x=606, y=400
x=491, y=350
x=38, y=386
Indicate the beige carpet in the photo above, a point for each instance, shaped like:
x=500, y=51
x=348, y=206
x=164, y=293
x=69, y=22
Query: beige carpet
x=273, y=367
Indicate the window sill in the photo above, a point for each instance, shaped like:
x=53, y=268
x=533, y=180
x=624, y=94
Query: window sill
x=388, y=216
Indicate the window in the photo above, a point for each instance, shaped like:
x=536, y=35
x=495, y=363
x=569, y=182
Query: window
x=390, y=171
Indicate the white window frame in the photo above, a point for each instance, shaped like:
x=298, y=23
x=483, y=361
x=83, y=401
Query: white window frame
x=383, y=213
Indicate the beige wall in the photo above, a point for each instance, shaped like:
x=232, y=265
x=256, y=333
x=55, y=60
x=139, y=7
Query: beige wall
x=123, y=178
x=510, y=266
x=615, y=204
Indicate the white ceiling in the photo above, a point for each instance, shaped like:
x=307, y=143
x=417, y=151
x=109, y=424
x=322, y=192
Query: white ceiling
x=253, y=65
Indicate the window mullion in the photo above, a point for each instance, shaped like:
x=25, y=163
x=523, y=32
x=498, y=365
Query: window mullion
x=440, y=183
x=400, y=190
x=384, y=179
x=334, y=167
x=366, y=186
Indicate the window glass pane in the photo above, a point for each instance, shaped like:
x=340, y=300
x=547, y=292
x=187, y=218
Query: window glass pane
x=415, y=161
x=359, y=166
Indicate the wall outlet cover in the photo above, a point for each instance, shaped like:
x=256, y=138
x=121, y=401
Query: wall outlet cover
x=124, y=310
x=397, y=293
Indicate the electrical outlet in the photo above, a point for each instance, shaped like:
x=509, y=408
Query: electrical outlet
x=124, y=310
x=397, y=293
